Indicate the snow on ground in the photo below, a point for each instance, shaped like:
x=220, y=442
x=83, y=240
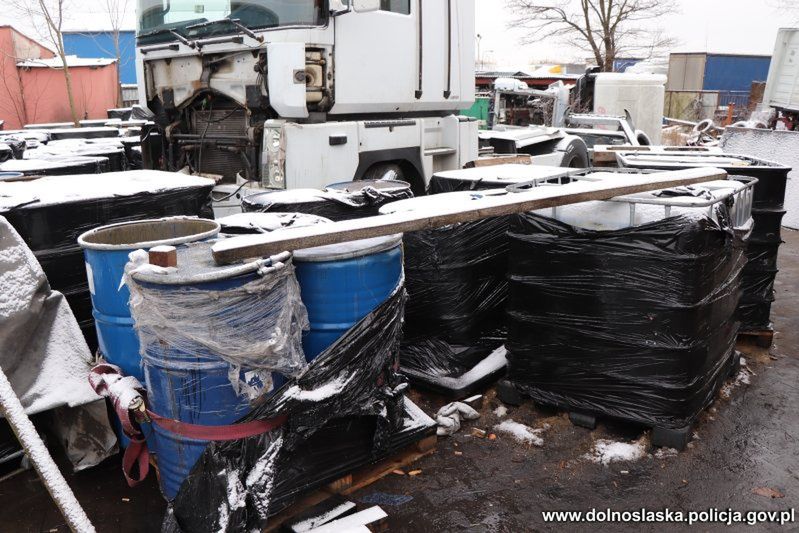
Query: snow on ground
x=522, y=433
x=501, y=411
x=665, y=453
x=607, y=451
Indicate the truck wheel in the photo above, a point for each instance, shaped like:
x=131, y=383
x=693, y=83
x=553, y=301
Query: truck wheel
x=575, y=153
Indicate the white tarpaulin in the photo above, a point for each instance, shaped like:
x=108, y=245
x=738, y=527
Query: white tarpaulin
x=42, y=350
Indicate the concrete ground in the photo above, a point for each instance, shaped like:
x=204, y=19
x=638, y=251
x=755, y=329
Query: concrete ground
x=745, y=451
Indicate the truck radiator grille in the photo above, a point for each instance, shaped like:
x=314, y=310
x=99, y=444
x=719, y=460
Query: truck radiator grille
x=221, y=124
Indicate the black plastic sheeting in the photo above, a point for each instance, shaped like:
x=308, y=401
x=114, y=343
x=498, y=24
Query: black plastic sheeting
x=344, y=201
x=457, y=287
x=51, y=166
x=636, y=324
x=321, y=440
x=52, y=231
x=83, y=133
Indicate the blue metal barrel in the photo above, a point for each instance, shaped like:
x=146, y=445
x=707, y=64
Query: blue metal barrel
x=342, y=283
x=106, y=251
x=187, y=379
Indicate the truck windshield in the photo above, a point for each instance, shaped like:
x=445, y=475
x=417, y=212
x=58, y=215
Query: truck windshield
x=159, y=16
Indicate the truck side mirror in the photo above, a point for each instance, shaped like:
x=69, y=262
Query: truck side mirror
x=339, y=7
x=365, y=6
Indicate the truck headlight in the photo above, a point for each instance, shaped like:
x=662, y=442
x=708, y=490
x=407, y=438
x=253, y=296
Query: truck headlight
x=273, y=161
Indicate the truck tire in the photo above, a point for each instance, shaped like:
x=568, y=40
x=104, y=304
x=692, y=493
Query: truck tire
x=398, y=172
x=575, y=152
x=384, y=171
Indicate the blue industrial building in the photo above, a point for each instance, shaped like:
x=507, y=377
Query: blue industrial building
x=100, y=44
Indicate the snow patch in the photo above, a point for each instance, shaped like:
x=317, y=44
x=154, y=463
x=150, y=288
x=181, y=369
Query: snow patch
x=328, y=390
x=744, y=377
x=522, y=433
x=501, y=411
x=665, y=453
x=607, y=451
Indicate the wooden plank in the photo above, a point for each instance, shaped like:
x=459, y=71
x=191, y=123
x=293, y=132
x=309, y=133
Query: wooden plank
x=762, y=338
x=493, y=161
x=355, y=481
x=353, y=521
x=251, y=246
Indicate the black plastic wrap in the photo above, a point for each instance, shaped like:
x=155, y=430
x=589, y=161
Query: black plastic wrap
x=344, y=201
x=5, y=153
x=768, y=224
x=456, y=295
x=67, y=165
x=98, y=132
x=122, y=113
x=52, y=230
x=636, y=324
x=346, y=410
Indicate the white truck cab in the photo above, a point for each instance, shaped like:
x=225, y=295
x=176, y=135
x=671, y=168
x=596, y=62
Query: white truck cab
x=304, y=93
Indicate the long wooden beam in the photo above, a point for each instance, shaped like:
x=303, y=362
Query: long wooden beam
x=250, y=246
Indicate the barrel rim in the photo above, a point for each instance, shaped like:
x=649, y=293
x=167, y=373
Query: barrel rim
x=431, y=202
x=86, y=245
x=391, y=185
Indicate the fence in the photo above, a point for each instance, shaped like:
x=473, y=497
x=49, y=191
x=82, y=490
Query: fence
x=699, y=105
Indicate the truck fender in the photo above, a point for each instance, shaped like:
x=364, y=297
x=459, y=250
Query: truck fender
x=575, y=152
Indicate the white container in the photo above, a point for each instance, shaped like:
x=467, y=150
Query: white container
x=782, y=89
x=641, y=94
x=636, y=209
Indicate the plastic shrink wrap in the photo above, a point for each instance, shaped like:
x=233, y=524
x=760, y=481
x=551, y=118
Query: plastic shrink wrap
x=634, y=323
x=51, y=213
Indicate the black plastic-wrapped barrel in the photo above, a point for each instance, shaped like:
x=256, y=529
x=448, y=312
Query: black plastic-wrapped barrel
x=767, y=213
x=341, y=201
x=636, y=323
x=55, y=166
x=83, y=133
x=455, y=278
x=51, y=213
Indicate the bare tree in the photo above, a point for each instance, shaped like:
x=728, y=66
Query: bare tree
x=116, y=10
x=48, y=17
x=604, y=28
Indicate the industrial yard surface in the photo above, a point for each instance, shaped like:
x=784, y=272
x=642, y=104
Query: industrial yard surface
x=743, y=457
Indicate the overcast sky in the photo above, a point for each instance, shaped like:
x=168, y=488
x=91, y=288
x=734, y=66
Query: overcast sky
x=721, y=26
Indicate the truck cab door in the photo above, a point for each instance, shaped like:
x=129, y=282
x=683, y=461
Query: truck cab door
x=376, y=59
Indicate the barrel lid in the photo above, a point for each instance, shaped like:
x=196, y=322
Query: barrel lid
x=249, y=223
x=348, y=250
x=435, y=202
x=268, y=222
x=145, y=234
x=196, y=266
x=293, y=196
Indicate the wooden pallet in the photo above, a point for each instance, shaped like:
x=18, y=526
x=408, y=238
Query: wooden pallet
x=356, y=480
x=762, y=338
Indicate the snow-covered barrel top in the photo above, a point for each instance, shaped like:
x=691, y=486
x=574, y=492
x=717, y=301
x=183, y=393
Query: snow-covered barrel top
x=53, y=190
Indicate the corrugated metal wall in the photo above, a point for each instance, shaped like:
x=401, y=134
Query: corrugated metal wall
x=734, y=73
x=101, y=44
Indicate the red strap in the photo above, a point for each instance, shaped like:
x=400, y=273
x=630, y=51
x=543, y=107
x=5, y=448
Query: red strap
x=218, y=433
x=136, y=453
